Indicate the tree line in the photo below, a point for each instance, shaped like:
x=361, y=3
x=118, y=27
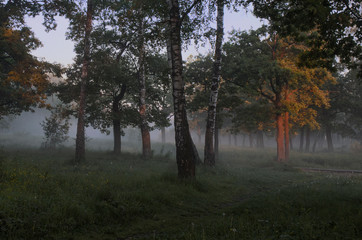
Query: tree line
x=301, y=71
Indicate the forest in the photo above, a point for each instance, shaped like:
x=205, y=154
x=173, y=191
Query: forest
x=258, y=138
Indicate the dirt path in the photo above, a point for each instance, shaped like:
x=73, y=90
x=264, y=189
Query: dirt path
x=339, y=171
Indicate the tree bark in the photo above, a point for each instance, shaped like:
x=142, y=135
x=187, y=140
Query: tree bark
x=146, y=139
x=163, y=135
x=209, y=153
x=315, y=141
x=286, y=132
x=301, y=142
x=80, y=137
x=251, y=140
x=186, y=154
x=216, y=147
x=329, y=138
x=117, y=97
x=307, y=139
x=280, y=138
x=286, y=126
x=116, y=136
x=260, y=139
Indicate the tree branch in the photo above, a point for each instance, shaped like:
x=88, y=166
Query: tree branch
x=183, y=16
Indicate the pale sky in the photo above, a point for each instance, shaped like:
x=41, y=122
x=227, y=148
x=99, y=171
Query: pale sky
x=57, y=49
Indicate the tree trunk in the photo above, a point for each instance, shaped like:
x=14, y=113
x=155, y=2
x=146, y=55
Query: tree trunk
x=209, y=154
x=329, y=138
x=117, y=97
x=286, y=126
x=117, y=136
x=315, y=141
x=260, y=139
x=80, y=138
x=146, y=139
x=280, y=138
x=291, y=142
x=286, y=132
x=186, y=154
x=163, y=135
x=216, y=147
x=307, y=139
x=301, y=142
x=251, y=140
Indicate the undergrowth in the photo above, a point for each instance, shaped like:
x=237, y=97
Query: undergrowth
x=247, y=196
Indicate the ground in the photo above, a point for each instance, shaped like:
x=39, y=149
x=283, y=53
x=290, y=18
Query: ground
x=246, y=196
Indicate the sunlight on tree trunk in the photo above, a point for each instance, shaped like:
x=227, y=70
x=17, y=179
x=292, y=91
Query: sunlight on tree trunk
x=280, y=138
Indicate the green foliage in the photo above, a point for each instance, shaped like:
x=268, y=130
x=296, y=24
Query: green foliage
x=267, y=66
x=330, y=28
x=24, y=79
x=56, y=127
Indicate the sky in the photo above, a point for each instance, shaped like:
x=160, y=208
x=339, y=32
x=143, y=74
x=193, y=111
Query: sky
x=57, y=49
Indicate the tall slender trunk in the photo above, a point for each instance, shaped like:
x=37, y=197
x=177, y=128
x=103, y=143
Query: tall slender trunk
x=280, y=138
x=315, y=141
x=186, y=154
x=80, y=138
x=291, y=141
x=116, y=136
x=329, y=138
x=146, y=139
x=251, y=140
x=286, y=126
x=286, y=133
x=307, y=139
x=209, y=154
x=301, y=142
x=163, y=135
x=117, y=97
x=260, y=139
x=216, y=147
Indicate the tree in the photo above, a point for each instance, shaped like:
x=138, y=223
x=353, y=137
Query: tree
x=186, y=153
x=80, y=138
x=268, y=67
x=209, y=154
x=330, y=28
x=23, y=78
x=56, y=127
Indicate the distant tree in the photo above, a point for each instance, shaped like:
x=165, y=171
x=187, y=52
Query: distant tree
x=56, y=127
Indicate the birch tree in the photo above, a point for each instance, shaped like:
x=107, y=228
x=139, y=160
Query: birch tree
x=186, y=153
x=209, y=154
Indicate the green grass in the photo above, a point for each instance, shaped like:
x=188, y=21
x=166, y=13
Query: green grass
x=247, y=196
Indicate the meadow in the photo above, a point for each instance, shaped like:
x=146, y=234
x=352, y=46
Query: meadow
x=246, y=196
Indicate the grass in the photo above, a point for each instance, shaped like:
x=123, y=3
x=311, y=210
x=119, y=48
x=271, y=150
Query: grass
x=247, y=196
